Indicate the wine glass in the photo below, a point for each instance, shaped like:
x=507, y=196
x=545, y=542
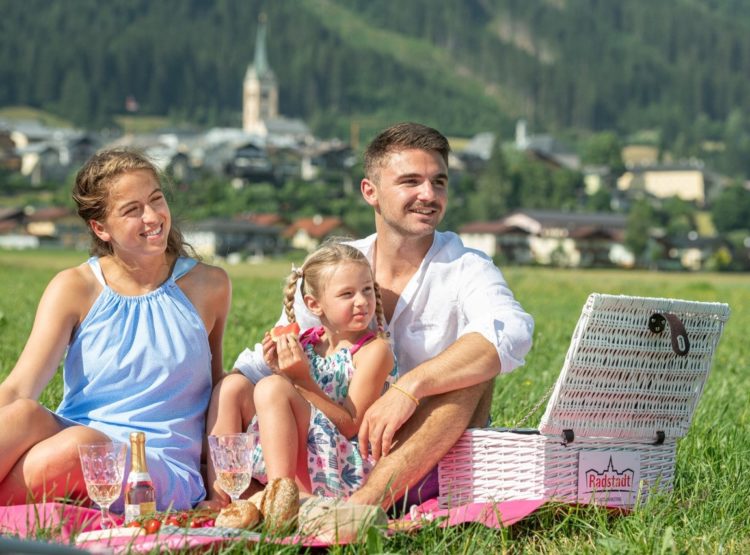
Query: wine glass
x=103, y=466
x=232, y=455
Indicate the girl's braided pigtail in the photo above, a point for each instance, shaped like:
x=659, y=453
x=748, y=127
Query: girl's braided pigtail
x=379, y=314
x=289, y=293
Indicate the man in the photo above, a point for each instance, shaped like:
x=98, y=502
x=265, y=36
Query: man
x=453, y=320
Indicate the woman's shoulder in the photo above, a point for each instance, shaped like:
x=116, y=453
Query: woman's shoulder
x=208, y=288
x=210, y=270
x=76, y=280
x=208, y=275
x=72, y=290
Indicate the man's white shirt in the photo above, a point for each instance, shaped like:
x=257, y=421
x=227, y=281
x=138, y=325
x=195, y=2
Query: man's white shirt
x=455, y=291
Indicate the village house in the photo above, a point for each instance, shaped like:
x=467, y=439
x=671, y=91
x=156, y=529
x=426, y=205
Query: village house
x=691, y=252
x=9, y=158
x=549, y=237
x=31, y=228
x=688, y=181
x=222, y=237
x=545, y=149
x=250, y=162
x=308, y=233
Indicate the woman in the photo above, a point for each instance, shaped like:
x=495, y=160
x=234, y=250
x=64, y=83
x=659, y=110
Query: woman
x=142, y=324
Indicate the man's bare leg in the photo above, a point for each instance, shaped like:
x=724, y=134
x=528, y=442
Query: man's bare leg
x=425, y=438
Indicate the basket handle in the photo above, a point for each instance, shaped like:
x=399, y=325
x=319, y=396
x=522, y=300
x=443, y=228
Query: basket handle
x=680, y=343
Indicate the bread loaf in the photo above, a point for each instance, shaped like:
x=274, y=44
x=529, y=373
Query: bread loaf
x=240, y=514
x=257, y=498
x=280, y=504
x=335, y=521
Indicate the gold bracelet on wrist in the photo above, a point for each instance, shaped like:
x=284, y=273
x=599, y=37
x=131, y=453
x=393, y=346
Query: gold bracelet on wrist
x=409, y=395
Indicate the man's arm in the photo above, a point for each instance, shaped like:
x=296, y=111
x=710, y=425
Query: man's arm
x=469, y=361
x=495, y=336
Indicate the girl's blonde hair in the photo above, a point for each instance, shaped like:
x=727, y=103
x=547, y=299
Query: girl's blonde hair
x=315, y=271
x=92, y=187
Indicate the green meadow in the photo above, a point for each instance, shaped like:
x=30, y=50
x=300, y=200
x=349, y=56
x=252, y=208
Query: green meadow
x=709, y=509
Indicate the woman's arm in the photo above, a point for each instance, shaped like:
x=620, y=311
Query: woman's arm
x=373, y=362
x=219, y=293
x=64, y=302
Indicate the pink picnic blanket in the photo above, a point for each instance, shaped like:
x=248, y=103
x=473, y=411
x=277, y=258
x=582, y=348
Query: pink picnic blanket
x=63, y=522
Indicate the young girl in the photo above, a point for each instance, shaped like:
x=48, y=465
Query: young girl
x=308, y=413
x=140, y=325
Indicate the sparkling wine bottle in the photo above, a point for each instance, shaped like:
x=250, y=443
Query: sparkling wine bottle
x=139, y=490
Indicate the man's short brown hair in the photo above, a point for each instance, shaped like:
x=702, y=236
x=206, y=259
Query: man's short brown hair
x=402, y=136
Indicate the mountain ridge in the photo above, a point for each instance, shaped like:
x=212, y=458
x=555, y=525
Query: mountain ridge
x=465, y=67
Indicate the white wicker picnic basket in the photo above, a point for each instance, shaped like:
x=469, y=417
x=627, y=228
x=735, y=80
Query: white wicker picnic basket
x=631, y=380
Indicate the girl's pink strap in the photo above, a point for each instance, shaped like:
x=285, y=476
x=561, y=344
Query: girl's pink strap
x=362, y=340
x=311, y=336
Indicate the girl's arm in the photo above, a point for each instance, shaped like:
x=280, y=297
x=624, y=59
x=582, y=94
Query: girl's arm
x=373, y=362
x=63, y=302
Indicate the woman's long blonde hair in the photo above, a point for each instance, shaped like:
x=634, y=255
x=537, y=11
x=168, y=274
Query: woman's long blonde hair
x=316, y=269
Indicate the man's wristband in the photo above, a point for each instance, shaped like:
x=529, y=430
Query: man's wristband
x=409, y=395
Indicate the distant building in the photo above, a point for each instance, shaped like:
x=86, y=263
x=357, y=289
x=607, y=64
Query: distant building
x=260, y=89
x=545, y=148
x=260, y=100
x=687, y=181
x=308, y=233
x=9, y=158
x=251, y=163
x=640, y=155
x=550, y=237
x=30, y=228
x=220, y=237
x=691, y=252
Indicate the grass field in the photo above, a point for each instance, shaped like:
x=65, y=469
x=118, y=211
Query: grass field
x=709, y=509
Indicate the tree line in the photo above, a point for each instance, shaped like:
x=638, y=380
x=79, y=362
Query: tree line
x=464, y=66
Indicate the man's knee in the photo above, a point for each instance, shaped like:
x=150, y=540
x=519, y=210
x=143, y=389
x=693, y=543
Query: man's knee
x=481, y=416
x=462, y=403
x=441, y=419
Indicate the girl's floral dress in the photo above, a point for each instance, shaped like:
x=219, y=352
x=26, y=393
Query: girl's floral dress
x=334, y=463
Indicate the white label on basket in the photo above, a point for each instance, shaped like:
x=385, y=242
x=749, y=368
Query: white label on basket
x=609, y=478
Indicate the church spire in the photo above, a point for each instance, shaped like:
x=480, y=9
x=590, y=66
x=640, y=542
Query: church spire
x=261, y=60
x=260, y=90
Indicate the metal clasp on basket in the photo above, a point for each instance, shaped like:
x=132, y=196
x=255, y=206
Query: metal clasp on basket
x=568, y=436
x=660, y=436
x=658, y=322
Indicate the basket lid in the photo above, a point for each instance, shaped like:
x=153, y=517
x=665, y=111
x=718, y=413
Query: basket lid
x=631, y=371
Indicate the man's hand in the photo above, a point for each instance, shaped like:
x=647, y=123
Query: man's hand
x=381, y=422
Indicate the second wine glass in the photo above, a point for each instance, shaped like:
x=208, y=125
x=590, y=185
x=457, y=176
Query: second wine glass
x=232, y=455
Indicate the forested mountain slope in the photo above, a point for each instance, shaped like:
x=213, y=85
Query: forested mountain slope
x=464, y=65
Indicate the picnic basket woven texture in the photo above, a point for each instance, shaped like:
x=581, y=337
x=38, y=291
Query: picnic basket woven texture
x=632, y=377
